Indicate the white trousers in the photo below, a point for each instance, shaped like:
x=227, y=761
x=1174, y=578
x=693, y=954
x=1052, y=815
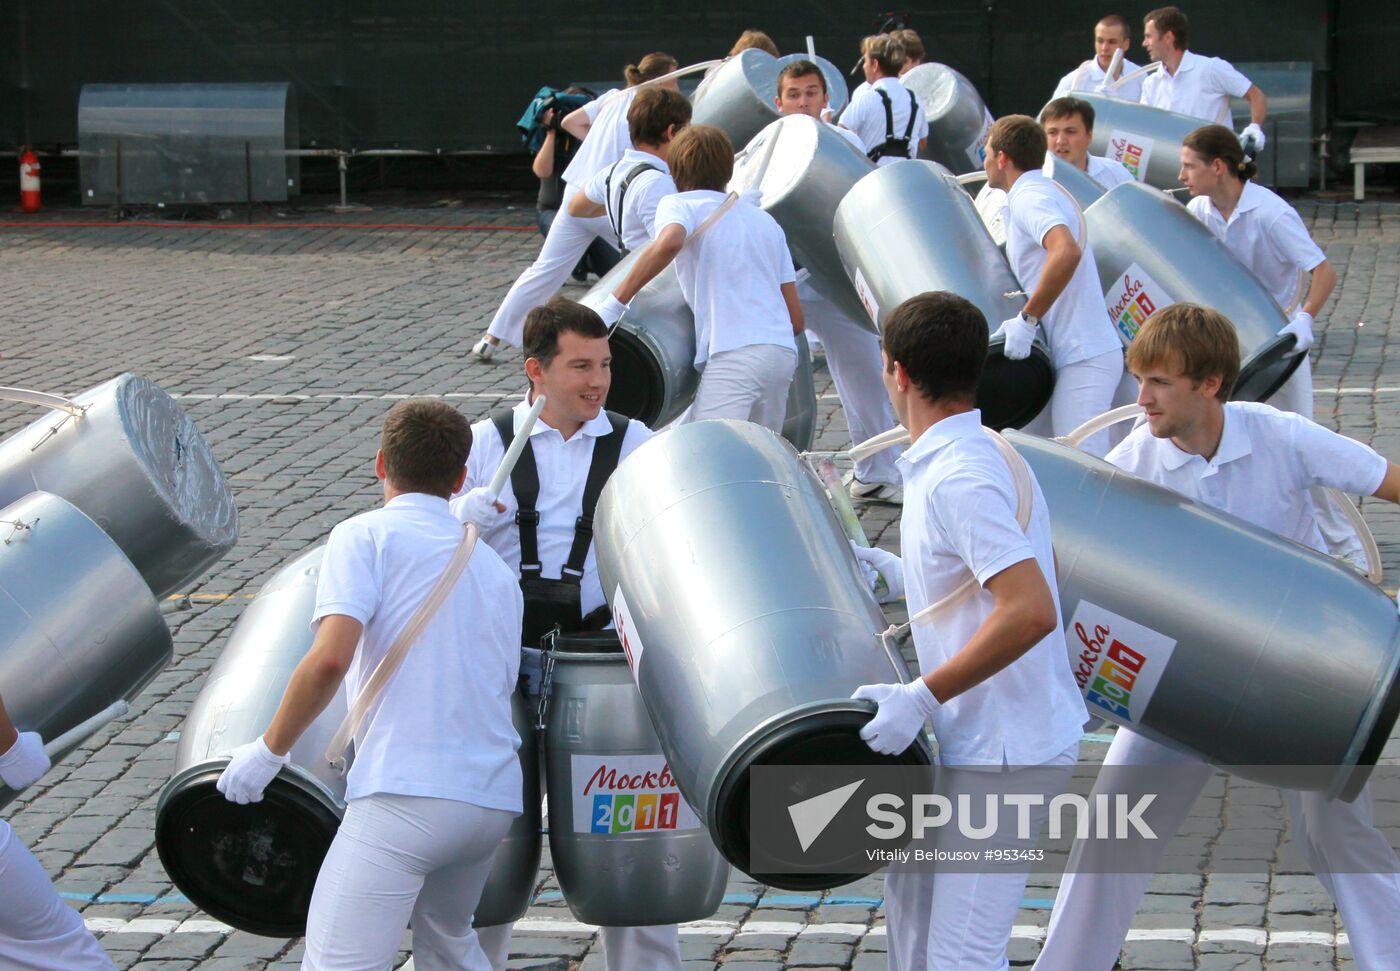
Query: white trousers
x=956, y=921
x=748, y=383
x=655, y=948
x=1094, y=909
x=564, y=245
x=853, y=356
x=401, y=858
x=1083, y=390
x=38, y=931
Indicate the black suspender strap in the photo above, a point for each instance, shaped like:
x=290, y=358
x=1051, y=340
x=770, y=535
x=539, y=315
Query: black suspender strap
x=607, y=451
x=617, y=214
x=897, y=147
x=889, y=113
x=909, y=129
x=525, y=483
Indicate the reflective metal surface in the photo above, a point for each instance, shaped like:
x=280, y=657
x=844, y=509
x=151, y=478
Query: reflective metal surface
x=1146, y=140
x=958, y=119
x=838, y=93
x=738, y=96
x=136, y=464
x=79, y=628
x=1085, y=190
x=808, y=173
x=1292, y=662
x=510, y=888
x=744, y=613
x=624, y=854
x=1151, y=253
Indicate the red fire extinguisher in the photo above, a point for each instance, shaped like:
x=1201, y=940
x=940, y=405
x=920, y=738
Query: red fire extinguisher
x=29, y=181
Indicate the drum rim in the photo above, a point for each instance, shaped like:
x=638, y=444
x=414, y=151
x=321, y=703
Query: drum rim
x=1271, y=355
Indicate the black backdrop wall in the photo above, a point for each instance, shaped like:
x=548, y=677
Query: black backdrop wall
x=455, y=74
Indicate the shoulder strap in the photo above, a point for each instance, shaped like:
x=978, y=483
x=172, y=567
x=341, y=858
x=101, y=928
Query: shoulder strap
x=525, y=483
x=889, y=113
x=607, y=452
x=622, y=200
x=913, y=117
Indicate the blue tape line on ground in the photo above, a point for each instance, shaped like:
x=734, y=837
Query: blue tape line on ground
x=123, y=898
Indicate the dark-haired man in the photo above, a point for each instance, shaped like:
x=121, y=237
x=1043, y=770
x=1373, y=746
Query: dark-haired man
x=1048, y=247
x=542, y=527
x=994, y=673
x=1111, y=33
x=436, y=779
x=1069, y=128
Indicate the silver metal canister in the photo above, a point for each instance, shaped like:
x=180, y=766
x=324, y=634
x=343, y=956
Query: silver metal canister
x=807, y=168
x=745, y=617
x=135, y=463
x=1152, y=253
x=738, y=96
x=908, y=228
x=838, y=93
x=627, y=848
x=1078, y=184
x=254, y=866
x=1147, y=140
x=958, y=119
x=79, y=628
x=1287, y=672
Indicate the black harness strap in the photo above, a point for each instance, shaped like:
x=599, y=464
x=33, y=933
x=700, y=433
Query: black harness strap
x=896, y=147
x=525, y=483
x=607, y=451
x=618, y=213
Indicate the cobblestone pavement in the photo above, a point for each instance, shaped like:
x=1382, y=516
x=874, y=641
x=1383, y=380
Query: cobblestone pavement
x=287, y=345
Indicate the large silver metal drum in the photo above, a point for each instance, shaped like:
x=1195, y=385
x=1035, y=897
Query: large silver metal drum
x=908, y=228
x=1147, y=140
x=136, y=464
x=1151, y=253
x=738, y=96
x=79, y=628
x=1078, y=184
x=627, y=848
x=838, y=93
x=653, y=366
x=254, y=867
x=745, y=617
x=958, y=119
x=1289, y=663
x=807, y=173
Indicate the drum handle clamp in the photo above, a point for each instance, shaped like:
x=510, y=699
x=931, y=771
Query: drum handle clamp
x=546, y=680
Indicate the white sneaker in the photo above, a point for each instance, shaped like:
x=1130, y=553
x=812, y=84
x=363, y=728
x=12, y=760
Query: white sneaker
x=484, y=349
x=887, y=492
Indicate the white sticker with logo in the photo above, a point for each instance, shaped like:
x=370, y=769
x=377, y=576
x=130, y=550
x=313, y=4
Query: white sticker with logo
x=977, y=151
x=1132, y=149
x=627, y=631
x=1116, y=662
x=1132, y=298
x=627, y=794
x=872, y=306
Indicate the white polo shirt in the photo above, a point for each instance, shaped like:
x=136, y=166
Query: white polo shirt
x=442, y=726
x=1088, y=76
x=731, y=276
x=637, y=214
x=959, y=517
x=1267, y=235
x=563, y=470
x=1262, y=471
x=1107, y=172
x=1201, y=87
x=865, y=116
x=1077, y=324
x=850, y=136
x=608, y=136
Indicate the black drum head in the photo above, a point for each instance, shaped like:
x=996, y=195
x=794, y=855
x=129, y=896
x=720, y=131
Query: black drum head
x=637, y=384
x=1011, y=393
x=582, y=642
x=252, y=867
x=1265, y=372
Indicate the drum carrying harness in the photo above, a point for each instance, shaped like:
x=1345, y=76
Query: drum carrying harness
x=618, y=212
x=891, y=146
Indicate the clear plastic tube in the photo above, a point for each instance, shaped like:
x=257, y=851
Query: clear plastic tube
x=42, y=399
x=1145, y=69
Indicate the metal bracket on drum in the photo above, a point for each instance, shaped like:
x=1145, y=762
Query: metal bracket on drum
x=17, y=526
x=546, y=679
x=45, y=400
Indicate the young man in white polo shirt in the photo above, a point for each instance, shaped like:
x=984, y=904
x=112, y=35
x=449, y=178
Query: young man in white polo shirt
x=852, y=351
x=38, y=930
x=1112, y=33
x=1190, y=84
x=436, y=780
x=1256, y=463
x=994, y=672
x=628, y=191
x=1069, y=128
x=567, y=360
x=1047, y=245
x=886, y=116
x=736, y=275
x=601, y=127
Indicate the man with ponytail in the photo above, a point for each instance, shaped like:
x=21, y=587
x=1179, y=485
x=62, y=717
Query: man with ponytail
x=601, y=126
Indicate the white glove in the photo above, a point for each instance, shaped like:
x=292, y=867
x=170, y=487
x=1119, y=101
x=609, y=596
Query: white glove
x=612, y=310
x=889, y=566
x=1252, y=140
x=1020, y=336
x=24, y=762
x=479, y=506
x=1301, y=327
x=900, y=715
x=249, y=771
